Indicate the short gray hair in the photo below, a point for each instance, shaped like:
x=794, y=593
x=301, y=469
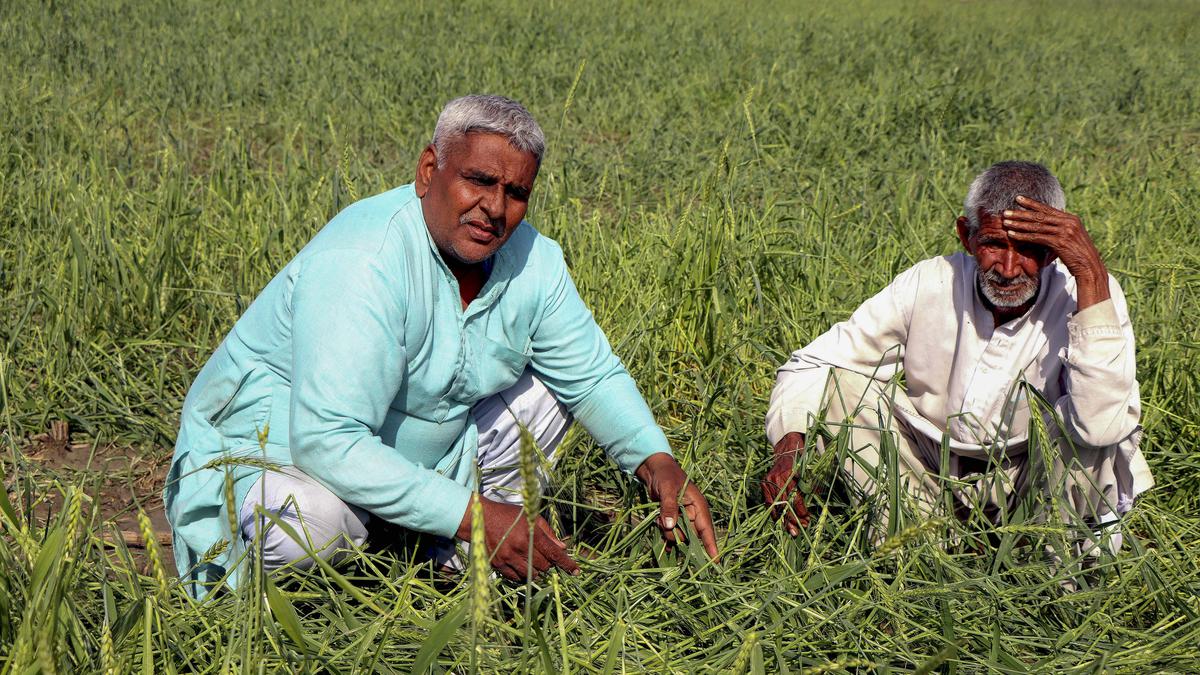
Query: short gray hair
x=997, y=188
x=488, y=113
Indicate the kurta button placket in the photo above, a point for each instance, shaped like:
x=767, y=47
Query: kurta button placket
x=452, y=298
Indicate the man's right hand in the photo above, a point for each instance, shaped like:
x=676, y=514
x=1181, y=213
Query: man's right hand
x=779, y=486
x=506, y=531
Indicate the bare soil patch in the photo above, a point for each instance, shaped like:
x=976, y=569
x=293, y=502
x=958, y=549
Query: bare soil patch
x=119, y=479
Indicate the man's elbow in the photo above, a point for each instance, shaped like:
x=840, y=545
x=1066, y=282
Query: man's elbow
x=315, y=445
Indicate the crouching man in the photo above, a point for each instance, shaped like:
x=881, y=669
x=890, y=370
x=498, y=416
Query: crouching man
x=1017, y=359
x=398, y=353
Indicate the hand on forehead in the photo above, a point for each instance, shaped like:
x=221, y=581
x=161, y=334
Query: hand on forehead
x=1022, y=210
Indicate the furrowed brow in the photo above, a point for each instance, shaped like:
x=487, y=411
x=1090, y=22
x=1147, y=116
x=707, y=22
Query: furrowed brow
x=480, y=175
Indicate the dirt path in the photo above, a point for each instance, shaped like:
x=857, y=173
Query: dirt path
x=121, y=479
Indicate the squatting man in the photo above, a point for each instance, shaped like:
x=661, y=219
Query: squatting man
x=1029, y=304
x=395, y=357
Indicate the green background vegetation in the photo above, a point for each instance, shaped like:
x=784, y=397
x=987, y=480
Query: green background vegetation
x=727, y=179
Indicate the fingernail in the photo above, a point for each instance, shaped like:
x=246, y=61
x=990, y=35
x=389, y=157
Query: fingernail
x=669, y=523
x=1008, y=213
x=1007, y=221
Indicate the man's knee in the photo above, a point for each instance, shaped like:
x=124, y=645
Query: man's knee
x=527, y=403
x=848, y=395
x=323, y=524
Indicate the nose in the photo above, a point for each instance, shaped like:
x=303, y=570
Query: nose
x=494, y=202
x=1009, y=265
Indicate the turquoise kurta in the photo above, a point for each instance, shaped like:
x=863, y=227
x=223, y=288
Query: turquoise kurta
x=362, y=366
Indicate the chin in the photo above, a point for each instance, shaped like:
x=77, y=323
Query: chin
x=472, y=253
x=1009, y=298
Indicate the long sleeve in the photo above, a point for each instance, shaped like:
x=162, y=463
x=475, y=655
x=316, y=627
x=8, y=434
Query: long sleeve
x=870, y=342
x=1100, y=406
x=348, y=365
x=573, y=358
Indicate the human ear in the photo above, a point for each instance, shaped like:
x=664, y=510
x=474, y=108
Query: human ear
x=426, y=165
x=963, y=233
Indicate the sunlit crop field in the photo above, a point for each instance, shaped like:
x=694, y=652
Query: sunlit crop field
x=727, y=179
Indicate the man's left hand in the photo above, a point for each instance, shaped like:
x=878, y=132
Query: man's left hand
x=669, y=486
x=1063, y=235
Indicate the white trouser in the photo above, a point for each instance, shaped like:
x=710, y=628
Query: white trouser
x=1081, y=481
x=330, y=524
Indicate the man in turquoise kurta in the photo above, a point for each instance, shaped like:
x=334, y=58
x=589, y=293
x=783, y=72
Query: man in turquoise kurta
x=363, y=365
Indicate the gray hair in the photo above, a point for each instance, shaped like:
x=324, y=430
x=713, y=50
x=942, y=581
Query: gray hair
x=487, y=113
x=997, y=188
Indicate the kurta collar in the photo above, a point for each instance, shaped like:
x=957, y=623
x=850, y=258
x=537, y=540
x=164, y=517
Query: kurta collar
x=503, y=267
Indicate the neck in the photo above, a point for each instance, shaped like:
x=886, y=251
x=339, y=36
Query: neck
x=461, y=269
x=470, y=276
x=1002, y=315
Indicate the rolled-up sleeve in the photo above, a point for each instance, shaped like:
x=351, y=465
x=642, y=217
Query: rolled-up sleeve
x=348, y=365
x=1101, y=405
x=573, y=358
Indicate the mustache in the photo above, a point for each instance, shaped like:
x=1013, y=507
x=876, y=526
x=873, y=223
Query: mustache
x=1003, y=292
x=497, y=224
x=999, y=281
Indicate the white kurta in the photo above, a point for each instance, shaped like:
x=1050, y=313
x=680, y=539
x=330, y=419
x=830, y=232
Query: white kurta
x=962, y=373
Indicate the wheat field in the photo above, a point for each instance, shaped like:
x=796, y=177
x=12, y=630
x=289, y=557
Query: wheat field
x=726, y=179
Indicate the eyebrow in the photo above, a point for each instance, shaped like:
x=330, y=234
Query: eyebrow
x=477, y=173
x=518, y=191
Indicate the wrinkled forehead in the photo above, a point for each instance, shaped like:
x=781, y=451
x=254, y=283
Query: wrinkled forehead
x=477, y=144
x=991, y=228
x=493, y=154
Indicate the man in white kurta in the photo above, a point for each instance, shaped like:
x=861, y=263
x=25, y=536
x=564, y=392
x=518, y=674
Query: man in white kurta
x=1018, y=378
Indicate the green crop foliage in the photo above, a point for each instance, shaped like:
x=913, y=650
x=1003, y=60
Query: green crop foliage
x=727, y=180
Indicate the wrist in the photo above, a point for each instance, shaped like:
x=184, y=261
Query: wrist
x=1096, y=275
x=463, y=533
x=790, y=446
x=1092, y=288
x=653, y=464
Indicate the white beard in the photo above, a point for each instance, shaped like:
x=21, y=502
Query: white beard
x=1007, y=293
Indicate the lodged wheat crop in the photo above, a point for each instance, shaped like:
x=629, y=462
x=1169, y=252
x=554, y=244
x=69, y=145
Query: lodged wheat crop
x=727, y=179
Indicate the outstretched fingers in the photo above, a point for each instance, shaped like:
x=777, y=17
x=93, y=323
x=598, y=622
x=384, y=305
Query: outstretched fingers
x=668, y=516
x=1037, y=217
x=1035, y=205
x=701, y=517
x=782, y=493
x=790, y=508
x=797, y=514
x=520, y=561
x=554, y=549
